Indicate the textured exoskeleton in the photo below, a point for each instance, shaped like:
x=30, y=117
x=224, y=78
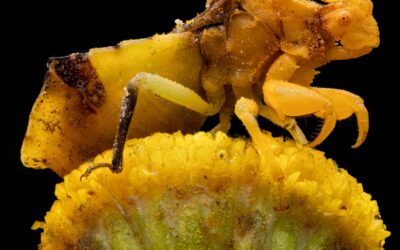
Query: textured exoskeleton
x=266, y=51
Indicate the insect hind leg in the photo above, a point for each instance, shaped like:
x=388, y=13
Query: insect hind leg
x=160, y=86
x=127, y=108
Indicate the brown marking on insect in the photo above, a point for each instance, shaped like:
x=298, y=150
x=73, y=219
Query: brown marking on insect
x=218, y=10
x=79, y=105
x=316, y=42
x=76, y=71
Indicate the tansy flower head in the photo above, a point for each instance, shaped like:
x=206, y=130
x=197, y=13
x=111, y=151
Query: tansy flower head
x=207, y=191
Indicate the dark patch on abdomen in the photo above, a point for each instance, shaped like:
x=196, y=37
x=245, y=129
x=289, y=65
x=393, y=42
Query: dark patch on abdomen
x=76, y=71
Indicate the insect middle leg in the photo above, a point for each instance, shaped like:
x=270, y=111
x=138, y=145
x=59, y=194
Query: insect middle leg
x=288, y=123
x=247, y=111
x=160, y=86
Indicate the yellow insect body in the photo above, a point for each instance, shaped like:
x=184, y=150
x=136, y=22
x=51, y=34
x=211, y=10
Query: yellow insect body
x=64, y=131
x=263, y=50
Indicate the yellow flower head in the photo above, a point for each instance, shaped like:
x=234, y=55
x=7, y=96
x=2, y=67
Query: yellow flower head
x=207, y=191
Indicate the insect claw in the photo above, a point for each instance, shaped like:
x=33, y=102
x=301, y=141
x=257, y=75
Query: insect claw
x=92, y=167
x=86, y=174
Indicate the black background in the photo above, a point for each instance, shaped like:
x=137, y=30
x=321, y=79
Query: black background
x=32, y=33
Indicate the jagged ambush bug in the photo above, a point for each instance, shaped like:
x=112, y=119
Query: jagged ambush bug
x=264, y=50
